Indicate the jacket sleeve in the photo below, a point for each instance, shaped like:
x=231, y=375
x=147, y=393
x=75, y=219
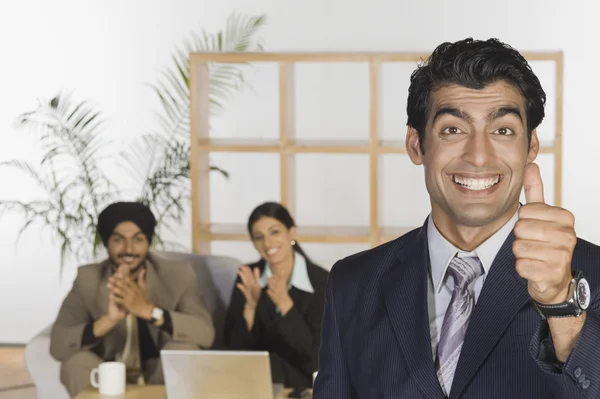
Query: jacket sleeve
x=579, y=377
x=67, y=335
x=333, y=378
x=191, y=321
x=237, y=336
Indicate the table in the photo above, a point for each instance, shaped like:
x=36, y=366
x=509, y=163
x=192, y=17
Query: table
x=148, y=392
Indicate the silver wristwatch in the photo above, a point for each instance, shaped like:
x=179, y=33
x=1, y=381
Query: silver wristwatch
x=578, y=302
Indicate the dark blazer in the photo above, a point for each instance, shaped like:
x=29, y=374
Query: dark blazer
x=292, y=341
x=376, y=339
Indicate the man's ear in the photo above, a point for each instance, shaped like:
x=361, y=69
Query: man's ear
x=534, y=147
x=413, y=146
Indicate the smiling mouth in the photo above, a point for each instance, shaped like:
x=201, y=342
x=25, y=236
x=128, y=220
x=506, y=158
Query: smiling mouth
x=272, y=251
x=128, y=258
x=476, y=184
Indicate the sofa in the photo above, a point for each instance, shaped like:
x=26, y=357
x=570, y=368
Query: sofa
x=216, y=277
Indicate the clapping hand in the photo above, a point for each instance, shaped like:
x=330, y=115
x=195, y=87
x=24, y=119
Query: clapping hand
x=250, y=286
x=279, y=294
x=130, y=294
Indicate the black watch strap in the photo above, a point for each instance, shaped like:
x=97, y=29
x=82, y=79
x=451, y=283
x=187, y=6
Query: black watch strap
x=569, y=308
x=564, y=309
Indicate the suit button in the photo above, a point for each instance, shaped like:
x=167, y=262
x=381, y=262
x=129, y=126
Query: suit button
x=585, y=384
x=577, y=372
x=581, y=378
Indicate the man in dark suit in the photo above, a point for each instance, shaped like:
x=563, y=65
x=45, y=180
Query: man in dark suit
x=489, y=298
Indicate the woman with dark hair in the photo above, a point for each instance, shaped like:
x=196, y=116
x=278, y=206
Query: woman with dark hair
x=277, y=303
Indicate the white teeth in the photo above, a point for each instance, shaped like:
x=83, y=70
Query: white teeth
x=476, y=184
x=272, y=251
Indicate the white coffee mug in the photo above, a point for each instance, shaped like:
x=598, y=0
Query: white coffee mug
x=109, y=378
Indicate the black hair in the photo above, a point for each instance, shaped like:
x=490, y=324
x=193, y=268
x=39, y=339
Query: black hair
x=473, y=64
x=278, y=212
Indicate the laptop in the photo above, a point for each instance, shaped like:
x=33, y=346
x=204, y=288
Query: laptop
x=203, y=374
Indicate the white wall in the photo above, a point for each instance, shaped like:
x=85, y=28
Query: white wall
x=107, y=50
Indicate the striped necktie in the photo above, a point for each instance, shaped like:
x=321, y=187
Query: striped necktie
x=464, y=271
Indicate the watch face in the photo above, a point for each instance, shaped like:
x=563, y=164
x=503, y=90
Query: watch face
x=157, y=313
x=583, y=294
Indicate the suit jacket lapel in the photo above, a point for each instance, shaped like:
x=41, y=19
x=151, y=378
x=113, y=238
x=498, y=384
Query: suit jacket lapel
x=504, y=293
x=115, y=340
x=405, y=296
x=152, y=283
x=102, y=289
x=153, y=292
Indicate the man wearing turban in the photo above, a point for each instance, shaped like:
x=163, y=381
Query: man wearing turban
x=128, y=307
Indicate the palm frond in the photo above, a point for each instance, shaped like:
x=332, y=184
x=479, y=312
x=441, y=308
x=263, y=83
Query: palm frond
x=30, y=170
x=69, y=171
x=72, y=148
x=165, y=154
x=225, y=80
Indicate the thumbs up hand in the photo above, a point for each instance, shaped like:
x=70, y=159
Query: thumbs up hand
x=544, y=242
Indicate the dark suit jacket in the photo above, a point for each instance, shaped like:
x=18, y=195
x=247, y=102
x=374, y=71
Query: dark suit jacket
x=293, y=340
x=376, y=342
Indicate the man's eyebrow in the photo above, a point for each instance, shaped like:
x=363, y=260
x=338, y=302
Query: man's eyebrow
x=503, y=111
x=495, y=114
x=447, y=110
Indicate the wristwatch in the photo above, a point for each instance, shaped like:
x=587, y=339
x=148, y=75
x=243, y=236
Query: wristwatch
x=157, y=314
x=578, y=302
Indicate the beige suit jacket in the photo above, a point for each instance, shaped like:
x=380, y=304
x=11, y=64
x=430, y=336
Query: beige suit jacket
x=170, y=285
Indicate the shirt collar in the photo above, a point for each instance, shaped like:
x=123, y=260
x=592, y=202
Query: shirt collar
x=441, y=251
x=299, y=278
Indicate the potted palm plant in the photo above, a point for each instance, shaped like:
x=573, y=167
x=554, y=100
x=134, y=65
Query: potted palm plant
x=73, y=150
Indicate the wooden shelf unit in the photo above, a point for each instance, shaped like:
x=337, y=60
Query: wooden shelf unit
x=203, y=231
